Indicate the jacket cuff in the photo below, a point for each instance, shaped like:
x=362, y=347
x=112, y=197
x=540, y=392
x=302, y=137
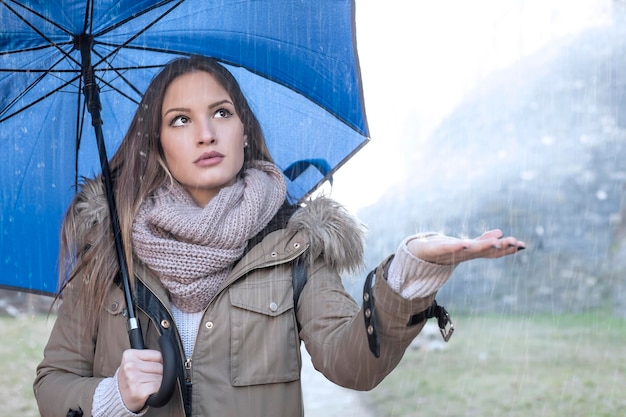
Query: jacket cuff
x=412, y=277
x=386, y=313
x=393, y=305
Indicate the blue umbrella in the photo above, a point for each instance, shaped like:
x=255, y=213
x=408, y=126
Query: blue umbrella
x=295, y=60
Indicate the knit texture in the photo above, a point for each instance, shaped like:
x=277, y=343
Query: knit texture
x=188, y=325
x=412, y=277
x=191, y=248
x=107, y=400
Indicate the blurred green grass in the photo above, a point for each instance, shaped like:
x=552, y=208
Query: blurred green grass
x=23, y=340
x=567, y=365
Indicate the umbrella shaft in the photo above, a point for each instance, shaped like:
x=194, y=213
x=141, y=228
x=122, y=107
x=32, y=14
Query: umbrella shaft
x=92, y=98
x=90, y=88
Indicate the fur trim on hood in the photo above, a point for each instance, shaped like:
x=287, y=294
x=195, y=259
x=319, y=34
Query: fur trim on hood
x=90, y=210
x=333, y=233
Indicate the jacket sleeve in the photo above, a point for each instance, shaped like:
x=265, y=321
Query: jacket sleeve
x=334, y=331
x=64, y=379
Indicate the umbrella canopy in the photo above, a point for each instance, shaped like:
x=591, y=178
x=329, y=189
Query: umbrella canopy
x=295, y=61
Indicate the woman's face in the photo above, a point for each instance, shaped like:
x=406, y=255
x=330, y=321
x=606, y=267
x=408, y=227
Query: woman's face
x=201, y=135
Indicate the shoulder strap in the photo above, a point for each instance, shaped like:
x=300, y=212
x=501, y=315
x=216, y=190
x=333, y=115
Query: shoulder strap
x=299, y=277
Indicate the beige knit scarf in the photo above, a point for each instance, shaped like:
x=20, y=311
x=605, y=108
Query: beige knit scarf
x=193, y=249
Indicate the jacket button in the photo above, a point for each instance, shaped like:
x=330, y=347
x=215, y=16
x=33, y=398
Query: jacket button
x=165, y=324
x=370, y=330
x=368, y=313
x=366, y=297
x=209, y=325
x=296, y=245
x=273, y=306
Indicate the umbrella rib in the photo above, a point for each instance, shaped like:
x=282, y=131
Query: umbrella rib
x=80, y=120
x=34, y=48
x=36, y=13
x=37, y=31
x=120, y=92
x=136, y=15
x=139, y=33
x=119, y=74
x=88, y=13
x=45, y=96
x=29, y=88
x=22, y=94
x=35, y=71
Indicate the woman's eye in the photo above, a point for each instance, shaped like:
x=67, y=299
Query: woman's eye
x=179, y=120
x=222, y=113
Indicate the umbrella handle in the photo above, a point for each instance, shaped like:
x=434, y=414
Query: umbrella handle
x=163, y=395
x=168, y=382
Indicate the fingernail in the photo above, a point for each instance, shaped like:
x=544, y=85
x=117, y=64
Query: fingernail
x=496, y=247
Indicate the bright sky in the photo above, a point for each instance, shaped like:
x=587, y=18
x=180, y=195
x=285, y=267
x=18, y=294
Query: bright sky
x=419, y=58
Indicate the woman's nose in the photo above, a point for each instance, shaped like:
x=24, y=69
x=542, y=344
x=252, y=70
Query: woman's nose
x=207, y=133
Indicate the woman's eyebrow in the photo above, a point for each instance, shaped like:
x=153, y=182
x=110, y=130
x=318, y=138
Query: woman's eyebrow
x=176, y=109
x=219, y=103
x=184, y=109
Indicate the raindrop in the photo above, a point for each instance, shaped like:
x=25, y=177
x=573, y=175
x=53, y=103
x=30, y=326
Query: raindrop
x=547, y=140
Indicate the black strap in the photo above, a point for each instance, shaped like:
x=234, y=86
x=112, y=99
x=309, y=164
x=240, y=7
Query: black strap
x=299, y=277
x=369, y=314
x=446, y=327
x=150, y=304
x=74, y=413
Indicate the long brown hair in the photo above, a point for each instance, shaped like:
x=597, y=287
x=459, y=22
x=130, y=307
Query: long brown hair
x=138, y=168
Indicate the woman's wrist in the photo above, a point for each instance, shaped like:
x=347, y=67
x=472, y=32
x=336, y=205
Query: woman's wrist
x=412, y=277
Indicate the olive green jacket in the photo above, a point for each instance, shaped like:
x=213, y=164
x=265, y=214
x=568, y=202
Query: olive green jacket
x=246, y=361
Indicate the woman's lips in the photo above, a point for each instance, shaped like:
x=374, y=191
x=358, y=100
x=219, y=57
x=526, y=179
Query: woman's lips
x=209, y=159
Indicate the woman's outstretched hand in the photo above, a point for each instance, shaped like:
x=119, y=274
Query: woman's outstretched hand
x=445, y=250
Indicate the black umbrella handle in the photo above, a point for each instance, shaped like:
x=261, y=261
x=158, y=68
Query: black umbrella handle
x=168, y=383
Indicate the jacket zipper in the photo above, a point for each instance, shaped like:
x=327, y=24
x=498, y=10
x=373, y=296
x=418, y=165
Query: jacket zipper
x=188, y=372
x=188, y=385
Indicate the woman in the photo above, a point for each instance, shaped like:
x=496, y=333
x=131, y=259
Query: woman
x=211, y=245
